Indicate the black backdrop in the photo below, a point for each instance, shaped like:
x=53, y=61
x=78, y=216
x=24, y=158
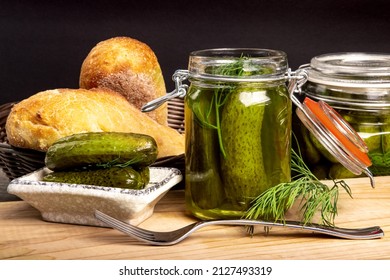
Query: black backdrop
x=43, y=43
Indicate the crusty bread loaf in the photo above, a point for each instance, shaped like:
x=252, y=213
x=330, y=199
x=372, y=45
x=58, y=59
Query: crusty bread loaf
x=36, y=122
x=129, y=67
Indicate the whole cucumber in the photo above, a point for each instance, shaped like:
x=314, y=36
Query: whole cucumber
x=243, y=170
x=117, y=177
x=97, y=148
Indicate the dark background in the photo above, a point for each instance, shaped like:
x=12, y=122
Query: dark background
x=43, y=43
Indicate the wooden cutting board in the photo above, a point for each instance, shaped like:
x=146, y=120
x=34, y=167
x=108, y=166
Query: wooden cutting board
x=25, y=236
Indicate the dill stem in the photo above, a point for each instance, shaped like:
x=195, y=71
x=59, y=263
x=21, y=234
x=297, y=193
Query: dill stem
x=218, y=124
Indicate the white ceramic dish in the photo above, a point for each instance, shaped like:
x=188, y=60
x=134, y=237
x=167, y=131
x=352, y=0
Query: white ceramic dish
x=76, y=204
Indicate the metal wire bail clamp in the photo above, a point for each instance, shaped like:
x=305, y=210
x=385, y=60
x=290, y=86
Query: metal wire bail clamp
x=180, y=91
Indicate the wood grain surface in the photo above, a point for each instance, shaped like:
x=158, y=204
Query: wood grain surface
x=24, y=235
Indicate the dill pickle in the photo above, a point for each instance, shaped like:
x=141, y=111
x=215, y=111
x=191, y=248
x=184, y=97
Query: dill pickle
x=321, y=170
x=202, y=172
x=338, y=171
x=374, y=130
x=375, y=133
x=145, y=173
x=276, y=135
x=203, y=182
x=385, y=129
x=242, y=168
x=367, y=128
x=383, y=169
x=117, y=177
x=324, y=152
x=94, y=148
x=309, y=151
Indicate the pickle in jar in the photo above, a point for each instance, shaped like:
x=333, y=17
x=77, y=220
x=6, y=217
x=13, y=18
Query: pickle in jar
x=367, y=128
x=242, y=167
x=385, y=136
x=204, y=186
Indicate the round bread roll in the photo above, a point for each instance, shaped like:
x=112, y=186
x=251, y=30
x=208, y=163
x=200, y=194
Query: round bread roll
x=129, y=67
x=36, y=122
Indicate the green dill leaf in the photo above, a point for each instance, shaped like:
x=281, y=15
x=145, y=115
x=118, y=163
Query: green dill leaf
x=114, y=163
x=315, y=196
x=221, y=93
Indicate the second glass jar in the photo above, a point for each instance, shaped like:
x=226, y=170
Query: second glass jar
x=357, y=85
x=238, y=129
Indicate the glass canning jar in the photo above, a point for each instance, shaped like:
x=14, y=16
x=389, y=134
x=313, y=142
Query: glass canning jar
x=238, y=129
x=357, y=86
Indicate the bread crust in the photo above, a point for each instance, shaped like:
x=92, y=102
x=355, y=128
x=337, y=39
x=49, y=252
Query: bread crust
x=36, y=122
x=127, y=66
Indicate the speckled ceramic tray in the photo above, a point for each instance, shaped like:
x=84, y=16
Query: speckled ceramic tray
x=76, y=204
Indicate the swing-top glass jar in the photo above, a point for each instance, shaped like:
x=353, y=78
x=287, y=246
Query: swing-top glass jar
x=238, y=129
x=357, y=86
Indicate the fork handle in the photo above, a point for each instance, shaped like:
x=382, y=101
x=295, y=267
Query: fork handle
x=359, y=233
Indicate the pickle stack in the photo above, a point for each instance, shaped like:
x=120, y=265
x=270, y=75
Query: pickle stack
x=111, y=159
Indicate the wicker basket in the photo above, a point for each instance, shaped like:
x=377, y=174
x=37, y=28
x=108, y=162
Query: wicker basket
x=17, y=162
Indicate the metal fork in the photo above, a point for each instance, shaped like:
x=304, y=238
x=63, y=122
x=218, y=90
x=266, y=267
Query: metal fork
x=175, y=236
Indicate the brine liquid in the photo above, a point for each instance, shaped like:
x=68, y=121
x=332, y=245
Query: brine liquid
x=238, y=145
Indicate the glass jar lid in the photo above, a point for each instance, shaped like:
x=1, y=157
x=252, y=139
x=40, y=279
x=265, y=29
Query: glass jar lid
x=351, y=69
x=257, y=65
x=335, y=134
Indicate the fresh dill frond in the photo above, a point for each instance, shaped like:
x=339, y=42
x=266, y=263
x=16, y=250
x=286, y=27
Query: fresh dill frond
x=313, y=194
x=115, y=163
x=209, y=116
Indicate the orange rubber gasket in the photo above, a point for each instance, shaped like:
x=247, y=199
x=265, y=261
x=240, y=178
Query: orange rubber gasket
x=315, y=108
